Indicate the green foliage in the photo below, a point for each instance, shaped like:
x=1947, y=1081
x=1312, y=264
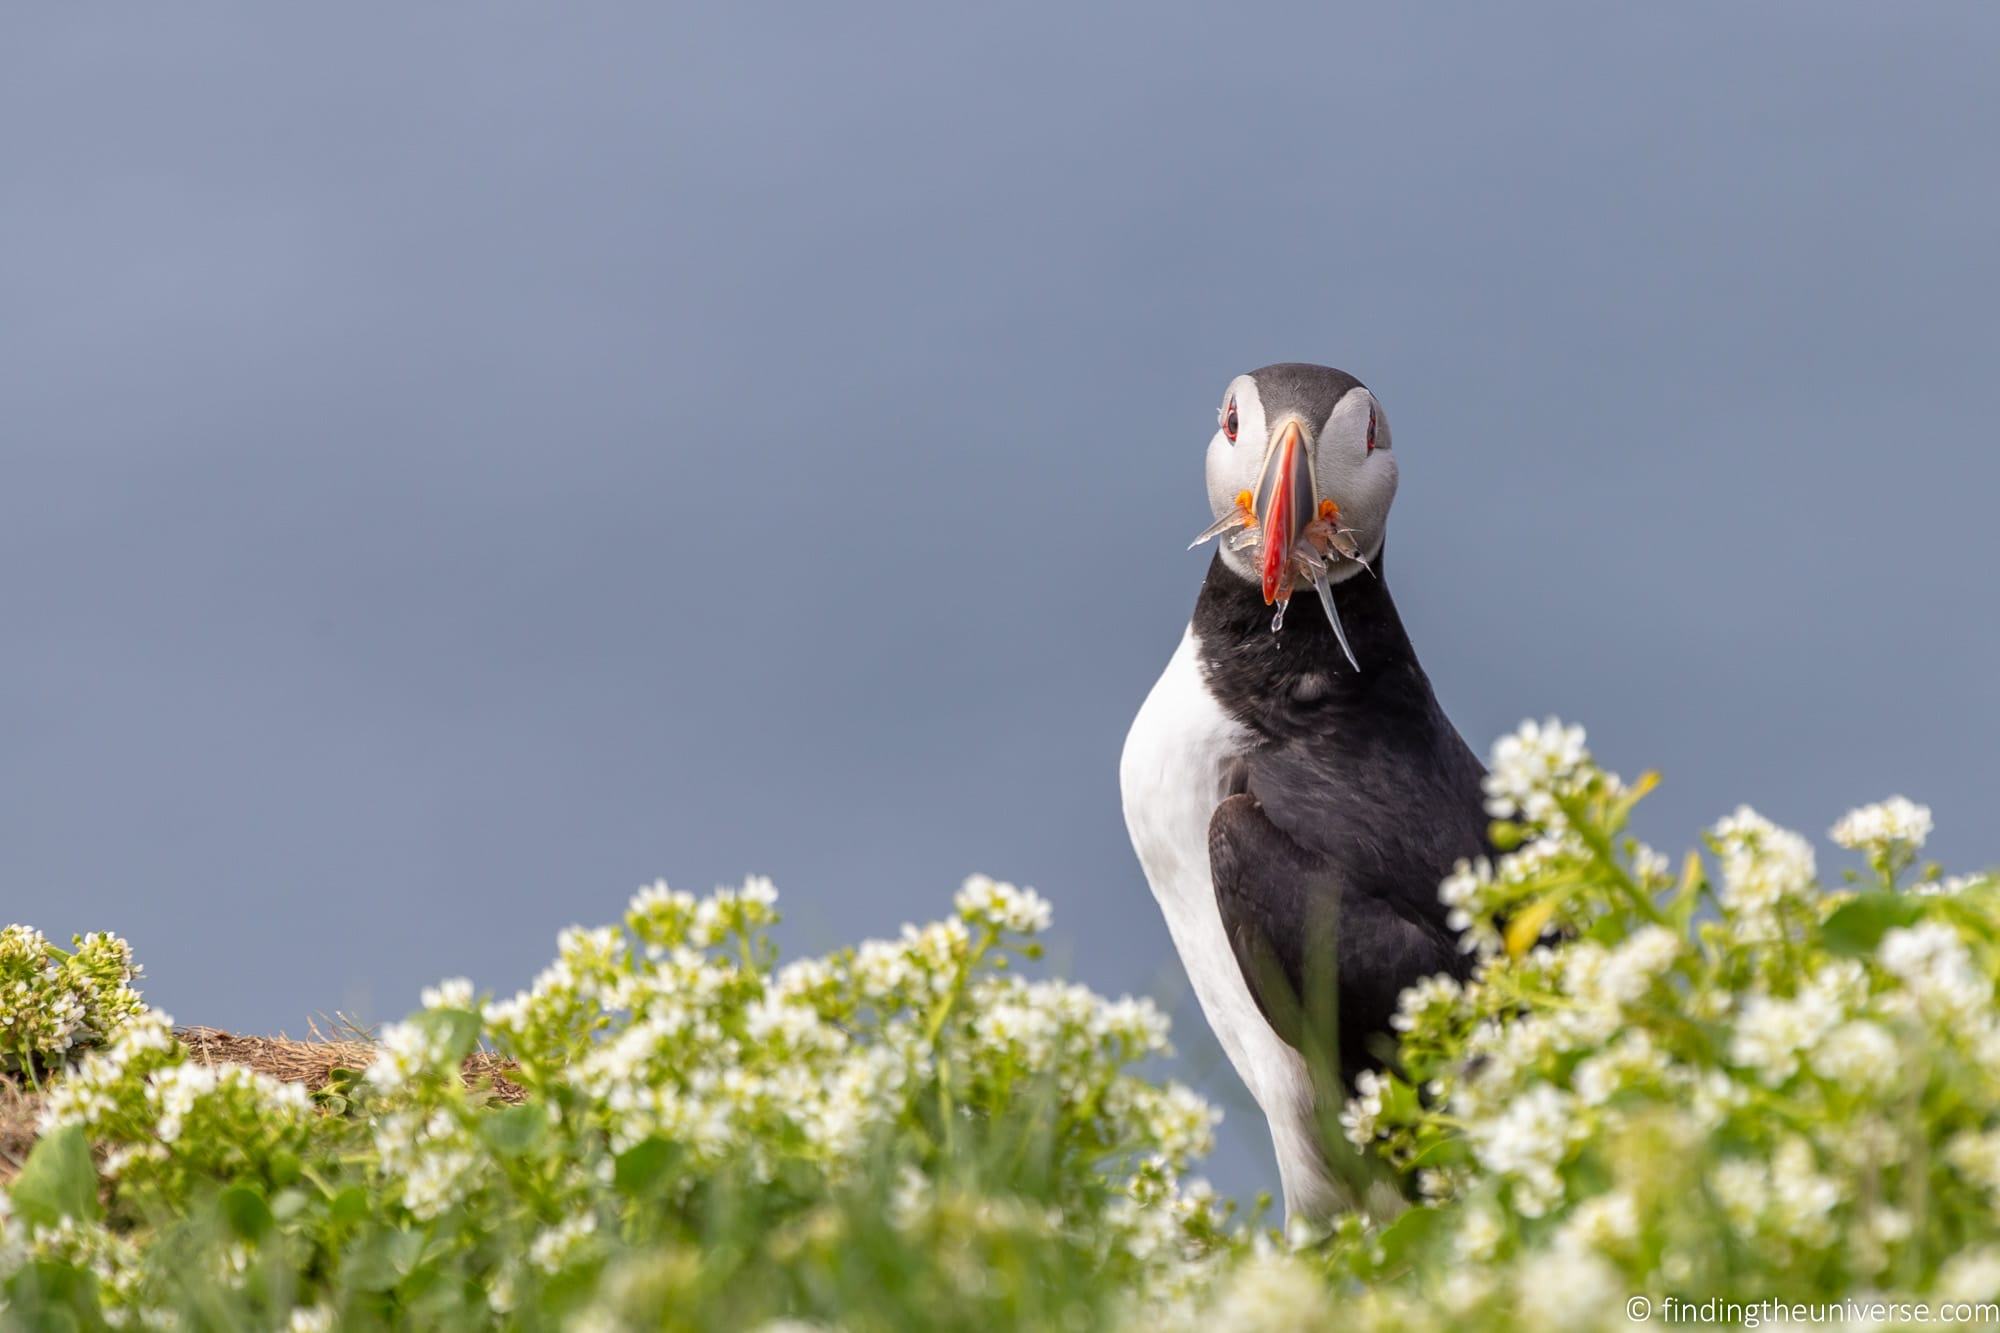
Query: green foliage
x=905, y=1134
x=1716, y=1081
x=1726, y=1083
x=58, y=1180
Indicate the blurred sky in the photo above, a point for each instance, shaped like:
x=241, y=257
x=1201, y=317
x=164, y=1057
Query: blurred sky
x=458, y=463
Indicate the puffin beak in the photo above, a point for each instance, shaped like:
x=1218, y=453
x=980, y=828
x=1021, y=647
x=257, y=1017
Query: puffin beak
x=1284, y=506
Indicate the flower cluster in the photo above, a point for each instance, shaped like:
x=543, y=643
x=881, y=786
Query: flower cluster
x=661, y=1078
x=1728, y=1080
x=1553, y=805
x=53, y=1001
x=1886, y=824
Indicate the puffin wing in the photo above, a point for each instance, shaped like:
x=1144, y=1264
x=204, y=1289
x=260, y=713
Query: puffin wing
x=1324, y=958
x=1278, y=903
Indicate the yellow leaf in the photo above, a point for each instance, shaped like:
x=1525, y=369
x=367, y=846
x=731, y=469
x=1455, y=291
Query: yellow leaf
x=1525, y=929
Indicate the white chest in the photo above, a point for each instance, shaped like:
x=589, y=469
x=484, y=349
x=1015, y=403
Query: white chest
x=1171, y=778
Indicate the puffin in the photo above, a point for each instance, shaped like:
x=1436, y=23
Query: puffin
x=1292, y=788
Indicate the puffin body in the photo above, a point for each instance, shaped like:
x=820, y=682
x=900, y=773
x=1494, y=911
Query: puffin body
x=1293, y=790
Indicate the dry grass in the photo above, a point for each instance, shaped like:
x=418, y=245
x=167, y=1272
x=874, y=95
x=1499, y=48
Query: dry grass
x=18, y=1107
x=311, y=1061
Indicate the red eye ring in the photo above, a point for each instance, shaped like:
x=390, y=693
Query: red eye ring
x=1371, y=430
x=1229, y=421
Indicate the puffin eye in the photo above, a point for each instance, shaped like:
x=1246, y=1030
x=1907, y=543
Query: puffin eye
x=1371, y=430
x=1229, y=421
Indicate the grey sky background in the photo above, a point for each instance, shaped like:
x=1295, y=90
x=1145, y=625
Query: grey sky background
x=462, y=463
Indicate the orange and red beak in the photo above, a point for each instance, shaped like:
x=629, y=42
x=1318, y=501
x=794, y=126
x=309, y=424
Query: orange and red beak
x=1284, y=507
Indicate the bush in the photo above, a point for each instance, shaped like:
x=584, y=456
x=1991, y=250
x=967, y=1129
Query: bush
x=1711, y=1081
x=902, y=1134
x=1724, y=1082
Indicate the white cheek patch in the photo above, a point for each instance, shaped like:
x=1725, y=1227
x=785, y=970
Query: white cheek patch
x=1232, y=468
x=1361, y=482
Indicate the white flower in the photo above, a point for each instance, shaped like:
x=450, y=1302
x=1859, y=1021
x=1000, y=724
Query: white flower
x=1977, y=1154
x=310, y=1319
x=1004, y=906
x=178, y=1092
x=1937, y=969
x=1479, y=1234
x=406, y=1051
x=1608, y=1222
x=1269, y=1294
x=1886, y=824
x=1744, y=1187
x=554, y=1246
x=1136, y=1024
x=433, y=1157
x=1763, y=868
x=1858, y=1054
x=1569, y=1289
x=1568, y=1286
x=1645, y=955
x=1802, y=1198
x=1357, y=1118
x=790, y=1026
x=1605, y=981
x=1971, y=1275
x=1440, y=992
x=1527, y=1142
x=750, y=907
x=1529, y=768
x=759, y=891
x=452, y=993
x=1629, y=1061
x=1771, y=1034
x=1463, y=891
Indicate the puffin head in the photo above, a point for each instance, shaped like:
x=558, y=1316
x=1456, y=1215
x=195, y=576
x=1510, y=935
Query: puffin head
x=1301, y=476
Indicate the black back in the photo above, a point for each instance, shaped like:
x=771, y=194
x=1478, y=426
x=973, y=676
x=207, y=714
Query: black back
x=1356, y=798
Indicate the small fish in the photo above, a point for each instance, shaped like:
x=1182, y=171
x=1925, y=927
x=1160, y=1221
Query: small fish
x=1324, y=587
x=1243, y=515
x=1324, y=543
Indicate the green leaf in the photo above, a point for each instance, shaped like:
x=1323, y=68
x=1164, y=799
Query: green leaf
x=343, y=1080
x=643, y=1166
x=245, y=1211
x=350, y=1206
x=1442, y=1152
x=336, y=1096
x=1608, y=930
x=285, y=1167
x=58, y=1180
x=45, y=1294
x=384, y=1259
x=1411, y=1234
x=1857, y=926
x=515, y=1130
x=1400, y=1104
x=456, y=1030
